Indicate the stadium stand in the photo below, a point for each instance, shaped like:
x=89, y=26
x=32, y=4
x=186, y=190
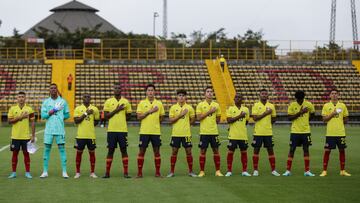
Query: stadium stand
x=34, y=79
x=168, y=77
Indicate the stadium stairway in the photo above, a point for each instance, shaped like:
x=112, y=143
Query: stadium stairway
x=60, y=71
x=222, y=84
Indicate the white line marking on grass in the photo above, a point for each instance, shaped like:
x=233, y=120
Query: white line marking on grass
x=5, y=147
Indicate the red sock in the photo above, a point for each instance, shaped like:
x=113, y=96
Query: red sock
x=342, y=159
x=26, y=161
x=307, y=163
x=14, y=160
x=92, y=161
x=157, y=160
x=140, y=161
x=255, y=161
x=326, y=159
x=202, y=160
x=244, y=160
x=125, y=161
x=172, y=162
x=189, y=159
x=78, y=161
x=108, y=165
x=289, y=162
x=230, y=157
x=217, y=161
x=272, y=161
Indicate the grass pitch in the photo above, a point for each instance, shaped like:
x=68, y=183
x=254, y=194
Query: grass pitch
x=182, y=188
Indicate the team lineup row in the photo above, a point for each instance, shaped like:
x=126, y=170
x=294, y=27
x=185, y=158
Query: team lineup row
x=150, y=113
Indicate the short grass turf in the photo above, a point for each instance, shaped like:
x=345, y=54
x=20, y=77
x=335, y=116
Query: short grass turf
x=181, y=188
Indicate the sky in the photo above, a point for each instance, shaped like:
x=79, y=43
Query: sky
x=278, y=19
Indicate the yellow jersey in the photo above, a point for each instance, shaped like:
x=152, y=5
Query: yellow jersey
x=150, y=125
x=20, y=130
x=263, y=127
x=335, y=126
x=237, y=129
x=301, y=124
x=117, y=123
x=86, y=129
x=181, y=128
x=208, y=125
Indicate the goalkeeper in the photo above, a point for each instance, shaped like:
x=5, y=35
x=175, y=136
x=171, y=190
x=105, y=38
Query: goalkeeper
x=54, y=110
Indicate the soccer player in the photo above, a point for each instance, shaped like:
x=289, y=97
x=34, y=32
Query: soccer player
x=54, y=110
x=208, y=112
x=117, y=110
x=237, y=117
x=300, y=112
x=181, y=115
x=86, y=116
x=335, y=115
x=150, y=112
x=263, y=113
x=19, y=116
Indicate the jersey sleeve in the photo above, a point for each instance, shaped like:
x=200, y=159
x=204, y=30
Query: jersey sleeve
x=162, y=110
x=172, y=112
x=128, y=107
x=312, y=108
x=324, y=111
x=229, y=113
x=273, y=113
x=11, y=113
x=291, y=110
x=191, y=112
x=247, y=116
x=96, y=113
x=107, y=106
x=346, y=112
x=77, y=112
x=198, y=109
x=140, y=108
x=218, y=110
x=254, y=110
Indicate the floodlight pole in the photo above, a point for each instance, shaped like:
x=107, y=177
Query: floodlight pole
x=154, y=20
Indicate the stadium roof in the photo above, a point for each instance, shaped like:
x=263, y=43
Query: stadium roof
x=72, y=15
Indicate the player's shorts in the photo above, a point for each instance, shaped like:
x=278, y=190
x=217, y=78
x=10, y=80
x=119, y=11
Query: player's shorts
x=80, y=144
x=300, y=139
x=115, y=138
x=59, y=139
x=145, y=139
x=233, y=144
x=178, y=141
x=332, y=142
x=16, y=144
x=266, y=141
x=205, y=140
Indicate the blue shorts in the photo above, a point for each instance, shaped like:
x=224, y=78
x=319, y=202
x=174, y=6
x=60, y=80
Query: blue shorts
x=332, y=142
x=144, y=140
x=48, y=139
x=16, y=144
x=266, y=141
x=115, y=138
x=206, y=139
x=233, y=144
x=177, y=141
x=80, y=144
x=300, y=139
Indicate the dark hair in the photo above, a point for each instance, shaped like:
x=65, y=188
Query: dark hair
x=150, y=85
x=299, y=94
x=263, y=90
x=23, y=93
x=208, y=87
x=53, y=84
x=334, y=89
x=181, y=91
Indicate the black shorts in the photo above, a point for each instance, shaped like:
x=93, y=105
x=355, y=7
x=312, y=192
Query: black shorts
x=259, y=141
x=16, y=144
x=80, y=144
x=145, y=139
x=177, y=141
x=206, y=139
x=300, y=139
x=233, y=144
x=113, y=138
x=332, y=142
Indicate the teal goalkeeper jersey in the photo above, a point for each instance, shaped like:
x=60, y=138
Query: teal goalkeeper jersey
x=54, y=123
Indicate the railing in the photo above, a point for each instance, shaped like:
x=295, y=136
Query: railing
x=174, y=54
